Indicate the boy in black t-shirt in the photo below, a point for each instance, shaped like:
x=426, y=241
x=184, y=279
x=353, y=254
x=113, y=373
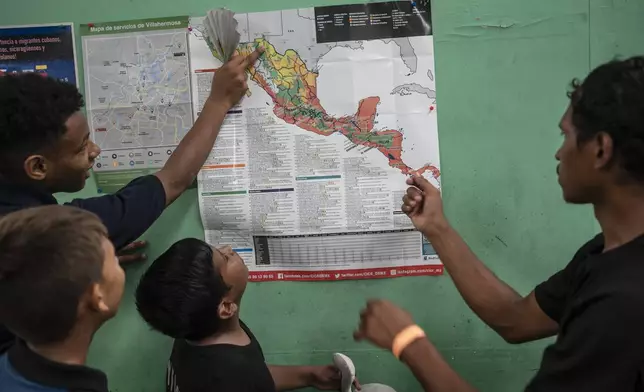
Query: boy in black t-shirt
x=192, y=293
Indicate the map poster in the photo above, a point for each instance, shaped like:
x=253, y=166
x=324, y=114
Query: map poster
x=307, y=175
x=45, y=49
x=137, y=89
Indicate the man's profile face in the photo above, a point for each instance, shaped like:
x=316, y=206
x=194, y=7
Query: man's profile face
x=69, y=165
x=578, y=176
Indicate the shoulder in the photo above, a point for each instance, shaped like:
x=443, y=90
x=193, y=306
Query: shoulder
x=594, y=245
x=4, y=363
x=215, y=367
x=216, y=357
x=553, y=294
x=13, y=381
x=247, y=330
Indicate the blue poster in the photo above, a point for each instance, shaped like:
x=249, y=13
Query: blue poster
x=44, y=49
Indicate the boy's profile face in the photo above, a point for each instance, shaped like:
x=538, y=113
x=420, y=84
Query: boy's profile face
x=112, y=282
x=232, y=269
x=67, y=168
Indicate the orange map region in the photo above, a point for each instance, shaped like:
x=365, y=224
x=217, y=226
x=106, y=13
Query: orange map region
x=293, y=89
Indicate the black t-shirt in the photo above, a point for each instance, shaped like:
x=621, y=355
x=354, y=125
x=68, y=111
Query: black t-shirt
x=598, y=302
x=218, y=368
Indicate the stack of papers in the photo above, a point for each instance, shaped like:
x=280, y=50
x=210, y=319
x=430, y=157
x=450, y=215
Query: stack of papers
x=220, y=28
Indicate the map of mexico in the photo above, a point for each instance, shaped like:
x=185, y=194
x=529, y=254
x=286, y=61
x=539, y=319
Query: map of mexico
x=308, y=171
x=293, y=89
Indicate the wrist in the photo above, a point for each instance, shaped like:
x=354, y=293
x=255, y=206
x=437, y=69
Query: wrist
x=405, y=337
x=415, y=350
x=217, y=104
x=306, y=375
x=437, y=229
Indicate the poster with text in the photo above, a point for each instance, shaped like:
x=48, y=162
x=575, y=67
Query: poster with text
x=306, y=179
x=137, y=89
x=48, y=50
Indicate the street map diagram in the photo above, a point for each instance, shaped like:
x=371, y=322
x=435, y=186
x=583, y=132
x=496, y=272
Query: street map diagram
x=307, y=176
x=138, y=95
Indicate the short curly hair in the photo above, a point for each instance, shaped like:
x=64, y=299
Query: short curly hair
x=33, y=113
x=611, y=100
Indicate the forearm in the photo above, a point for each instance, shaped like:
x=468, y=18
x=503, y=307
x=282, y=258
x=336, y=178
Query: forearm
x=184, y=164
x=287, y=378
x=489, y=297
x=431, y=370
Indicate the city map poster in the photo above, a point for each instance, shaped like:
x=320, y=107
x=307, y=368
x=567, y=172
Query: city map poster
x=306, y=178
x=137, y=90
x=48, y=50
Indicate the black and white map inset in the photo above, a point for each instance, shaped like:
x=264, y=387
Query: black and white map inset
x=138, y=89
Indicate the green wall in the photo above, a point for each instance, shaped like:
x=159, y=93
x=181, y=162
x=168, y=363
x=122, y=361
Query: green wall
x=502, y=72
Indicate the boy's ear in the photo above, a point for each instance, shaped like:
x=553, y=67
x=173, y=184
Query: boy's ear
x=35, y=167
x=227, y=309
x=95, y=299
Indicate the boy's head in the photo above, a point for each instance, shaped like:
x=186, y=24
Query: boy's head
x=603, y=132
x=44, y=138
x=58, y=273
x=192, y=289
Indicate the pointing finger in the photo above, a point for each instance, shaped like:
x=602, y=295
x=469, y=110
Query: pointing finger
x=252, y=58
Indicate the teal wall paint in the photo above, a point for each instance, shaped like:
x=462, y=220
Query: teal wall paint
x=502, y=71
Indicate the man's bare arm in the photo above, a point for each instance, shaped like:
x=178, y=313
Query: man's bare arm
x=514, y=317
x=382, y=321
x=431, y=370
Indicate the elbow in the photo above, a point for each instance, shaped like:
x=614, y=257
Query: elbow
x=182, y=186
x=513, y=339
x=176, y=189
x=511, y=335
x=174, y=186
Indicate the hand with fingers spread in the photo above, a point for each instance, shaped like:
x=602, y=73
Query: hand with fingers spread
x=424, y=206
x=380, y=322
x=229, y=83
x=132, y=253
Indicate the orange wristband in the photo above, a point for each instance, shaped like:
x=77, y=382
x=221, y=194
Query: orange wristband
x=406, y=337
